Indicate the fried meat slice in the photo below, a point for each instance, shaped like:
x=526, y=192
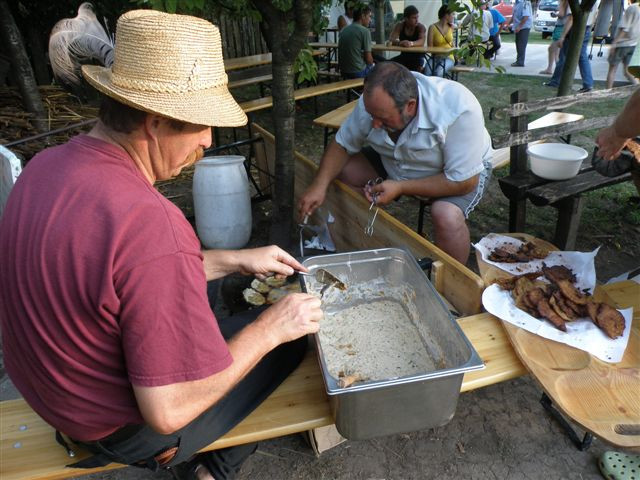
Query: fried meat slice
x=571, y=292
x=557, y=273
x=560, y=307
x=533, y=251
x=537, y=297
x=510, y=282
x=607, y=318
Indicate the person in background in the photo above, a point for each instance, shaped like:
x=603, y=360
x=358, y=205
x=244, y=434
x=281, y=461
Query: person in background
x=554, y=48
x=583, y=61
x=440, y=34
x=107, y=330
x=624, y=43
x=346, y=19
x=410, y=33
x=494, y=32
x=354, y=46
x=521, y=22
x=423, y=136
x=485, y=28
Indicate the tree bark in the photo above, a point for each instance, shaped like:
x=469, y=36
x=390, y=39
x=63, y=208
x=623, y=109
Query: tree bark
x=573, y=52
x=23, y=73
x=580, y=12
x=284, y=46
x=379, y=16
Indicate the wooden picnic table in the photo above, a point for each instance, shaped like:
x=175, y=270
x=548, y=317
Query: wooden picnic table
x=431, y=52
x=249, y=61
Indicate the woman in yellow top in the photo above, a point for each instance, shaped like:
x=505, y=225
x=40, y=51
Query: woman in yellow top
x=440, y=34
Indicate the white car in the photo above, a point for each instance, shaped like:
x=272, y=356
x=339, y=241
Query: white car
x=545, y=18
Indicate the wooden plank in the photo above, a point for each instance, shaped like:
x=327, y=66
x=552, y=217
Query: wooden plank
x=524, y=137
x=560, y=103
x=554, y=118
x=334, y=118
x=302, y=93
x=555, y=191
x=249, y=81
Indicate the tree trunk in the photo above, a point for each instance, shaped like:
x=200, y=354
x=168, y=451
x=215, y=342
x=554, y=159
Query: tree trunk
x=284, y=45
x=23, y=73
x=284, y=122
x=379, y=16
x=573, y=52
x=37, y=54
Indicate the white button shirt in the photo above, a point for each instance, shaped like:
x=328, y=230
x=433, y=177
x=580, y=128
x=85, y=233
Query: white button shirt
x=447, y=135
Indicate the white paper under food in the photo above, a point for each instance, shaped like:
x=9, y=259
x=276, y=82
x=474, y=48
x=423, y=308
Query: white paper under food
x=581, y=333
x=582, y=264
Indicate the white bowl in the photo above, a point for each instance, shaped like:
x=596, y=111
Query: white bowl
x=556, y=161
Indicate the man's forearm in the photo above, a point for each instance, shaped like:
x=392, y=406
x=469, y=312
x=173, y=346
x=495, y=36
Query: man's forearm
x=170, y=407
x=219, y=263
x=627, y=124
x=438, y=186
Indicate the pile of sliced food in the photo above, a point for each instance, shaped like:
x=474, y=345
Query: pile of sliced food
x=269, y=291
x=560, y=301
x=509, y=253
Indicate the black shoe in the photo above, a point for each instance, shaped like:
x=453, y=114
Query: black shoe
x=549, y=84
x=585, y=90
x=516, y=64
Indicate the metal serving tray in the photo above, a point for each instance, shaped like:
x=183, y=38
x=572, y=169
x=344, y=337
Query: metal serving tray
x=401, y=404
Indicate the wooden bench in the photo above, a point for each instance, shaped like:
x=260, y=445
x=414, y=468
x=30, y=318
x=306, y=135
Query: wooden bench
x=521, y=185
x=302, y=93
x=458, y=69
x=29, y=450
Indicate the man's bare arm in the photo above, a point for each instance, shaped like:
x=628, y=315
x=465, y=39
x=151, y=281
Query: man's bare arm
x=170, y=407
x=435, y=186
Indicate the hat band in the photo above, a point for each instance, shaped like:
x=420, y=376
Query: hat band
x=194, y=83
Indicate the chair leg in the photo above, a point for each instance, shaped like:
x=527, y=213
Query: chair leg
x=421, y=208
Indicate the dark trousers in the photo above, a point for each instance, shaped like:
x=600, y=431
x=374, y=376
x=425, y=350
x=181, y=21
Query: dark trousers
x=139, y=445
x=522, y=38
x=494, y=45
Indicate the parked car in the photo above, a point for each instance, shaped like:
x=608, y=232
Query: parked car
x=545, y=18
x=505, y=7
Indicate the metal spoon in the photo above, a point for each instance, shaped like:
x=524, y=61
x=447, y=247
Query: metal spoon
x=326, y=279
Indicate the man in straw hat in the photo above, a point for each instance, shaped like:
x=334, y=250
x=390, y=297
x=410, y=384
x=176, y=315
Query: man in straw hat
x=107, y=331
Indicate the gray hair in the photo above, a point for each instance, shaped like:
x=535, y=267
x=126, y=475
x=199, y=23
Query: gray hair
x=396, y=80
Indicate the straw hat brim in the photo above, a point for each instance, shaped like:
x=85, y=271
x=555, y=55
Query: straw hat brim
x=214, y=107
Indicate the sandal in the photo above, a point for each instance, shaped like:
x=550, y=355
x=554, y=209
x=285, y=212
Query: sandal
x=619, y=466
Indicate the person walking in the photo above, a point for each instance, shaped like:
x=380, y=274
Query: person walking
x=521, y=21
x=494, y=33
x=554, y=48
x=583, y=61
x=625, y=43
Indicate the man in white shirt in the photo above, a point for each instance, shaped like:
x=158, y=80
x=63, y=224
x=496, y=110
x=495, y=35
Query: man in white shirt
x=624, y=44
x=424, y=136
x=487, y=22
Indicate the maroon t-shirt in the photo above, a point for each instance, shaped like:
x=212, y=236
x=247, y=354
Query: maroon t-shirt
x=102, y=287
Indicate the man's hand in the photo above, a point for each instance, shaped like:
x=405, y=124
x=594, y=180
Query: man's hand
x=293, y=316
x=311, y=199
x=267, y=261
x=609, y=143
x=384, y=192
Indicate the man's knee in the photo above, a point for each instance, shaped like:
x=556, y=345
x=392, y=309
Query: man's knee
x=447, y=217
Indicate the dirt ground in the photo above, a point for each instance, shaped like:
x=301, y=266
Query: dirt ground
x=498, y=432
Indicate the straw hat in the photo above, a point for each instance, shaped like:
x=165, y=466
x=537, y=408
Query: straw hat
x=169, y=65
